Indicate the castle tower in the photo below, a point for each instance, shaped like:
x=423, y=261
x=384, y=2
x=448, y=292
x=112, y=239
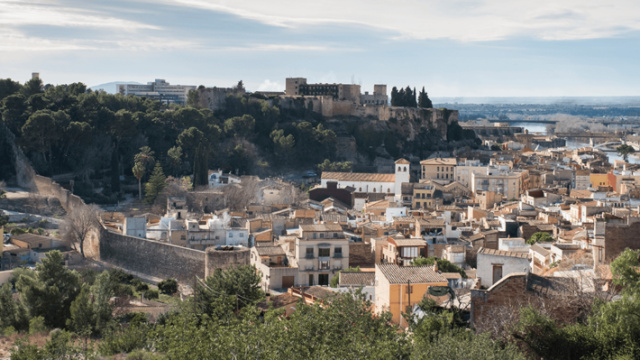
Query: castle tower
x=403, y=171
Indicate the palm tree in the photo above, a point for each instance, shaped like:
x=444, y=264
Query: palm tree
x=142, y=161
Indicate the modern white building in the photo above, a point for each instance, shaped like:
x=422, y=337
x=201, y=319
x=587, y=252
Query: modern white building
x=158, y=90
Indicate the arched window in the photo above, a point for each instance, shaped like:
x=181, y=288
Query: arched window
x=374, y=189
x=388, y=190
x=405, y=169
x=360, y=189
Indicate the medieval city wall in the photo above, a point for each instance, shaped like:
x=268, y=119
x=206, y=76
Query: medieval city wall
x=151, y=257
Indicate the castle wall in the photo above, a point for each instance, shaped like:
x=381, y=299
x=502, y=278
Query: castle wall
x=151, y=257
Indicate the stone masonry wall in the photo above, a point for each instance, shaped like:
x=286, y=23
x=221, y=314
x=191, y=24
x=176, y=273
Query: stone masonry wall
x=151, y=257
x=619, y=237
x=360, y=254
x=225, y=259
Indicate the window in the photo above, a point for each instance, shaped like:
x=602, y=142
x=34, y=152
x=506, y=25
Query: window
x=324, y=252
x=230, y=235
x=321, y=235
x=310, y=279
x=309, y=254
x=337, y=252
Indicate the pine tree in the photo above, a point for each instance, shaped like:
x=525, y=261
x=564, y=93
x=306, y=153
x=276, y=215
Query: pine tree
x=394, y=96
x=156, y=184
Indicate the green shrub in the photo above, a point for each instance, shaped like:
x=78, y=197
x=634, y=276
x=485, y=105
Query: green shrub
x=124, y=340
x=36, y=326
x=168, y=286
x=144, y=355
x=140, y=285
x=152, y=294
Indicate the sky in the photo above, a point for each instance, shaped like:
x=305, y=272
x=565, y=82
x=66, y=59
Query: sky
x=454, y=48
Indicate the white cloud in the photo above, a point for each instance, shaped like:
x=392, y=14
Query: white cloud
x=16, y=41
x=281, y=47
x=466, y=20
x=51, y=13
x=268, y=85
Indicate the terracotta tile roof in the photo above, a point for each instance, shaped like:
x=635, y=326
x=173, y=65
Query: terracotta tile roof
x=440, y=161
x=270, y=250
x=432, y=222
x=319, y=292
x=486, y=251
x=402, y=161
x=357, y=278
x=540, y=250
x=416, y=274
x=408, y=242
x=307, y=214
x=580, y=194
x=321, y=227
x=355, y=177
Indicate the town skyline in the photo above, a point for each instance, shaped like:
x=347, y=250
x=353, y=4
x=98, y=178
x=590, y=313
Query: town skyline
x=453, y=49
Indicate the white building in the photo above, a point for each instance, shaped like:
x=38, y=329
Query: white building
x=372, y=182
x=219, y=178
x=493, y=265
x=158, y=90
x=135, y=226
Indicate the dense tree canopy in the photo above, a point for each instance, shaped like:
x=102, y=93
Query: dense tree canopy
x=69, y=129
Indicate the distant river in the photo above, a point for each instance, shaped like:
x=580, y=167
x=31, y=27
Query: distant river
x=571, y=144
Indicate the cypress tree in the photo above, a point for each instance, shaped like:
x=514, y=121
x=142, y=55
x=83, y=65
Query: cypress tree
x=156, y=184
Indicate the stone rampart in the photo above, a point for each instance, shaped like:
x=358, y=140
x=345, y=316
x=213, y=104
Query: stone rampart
x=46, y=186
x=225, y=259
x=151, y=257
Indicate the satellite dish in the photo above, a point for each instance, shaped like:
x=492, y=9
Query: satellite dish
x=438, y=290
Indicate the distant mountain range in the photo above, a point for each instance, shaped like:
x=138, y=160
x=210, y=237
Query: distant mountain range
x=564, y=100
x=112, y=87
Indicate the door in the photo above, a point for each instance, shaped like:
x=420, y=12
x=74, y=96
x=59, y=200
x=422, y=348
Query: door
x=310, y=279
x=497, y=273
x=287, y=281
x=323, y=279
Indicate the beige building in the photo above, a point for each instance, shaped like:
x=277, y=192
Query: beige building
x=507, y=184
x=441, y=170
x=398, y=288
x=464, y=169
x=273, y=266
x=402, y=251
x=424, y=196
x=321, y=250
